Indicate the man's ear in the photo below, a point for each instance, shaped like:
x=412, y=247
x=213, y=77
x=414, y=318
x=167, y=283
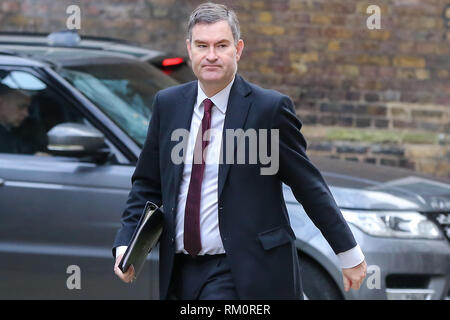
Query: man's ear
x=239, y=49
x=188, y=46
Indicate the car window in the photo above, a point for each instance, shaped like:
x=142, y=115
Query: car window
x=28, y=110
x=123, y=91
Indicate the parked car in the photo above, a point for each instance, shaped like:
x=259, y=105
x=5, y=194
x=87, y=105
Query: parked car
x=61, y=197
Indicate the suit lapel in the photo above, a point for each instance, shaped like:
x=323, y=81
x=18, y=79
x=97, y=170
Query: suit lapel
x=183, y=116
x=239, y=103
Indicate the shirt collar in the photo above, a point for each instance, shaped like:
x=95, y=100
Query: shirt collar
x=220, y=99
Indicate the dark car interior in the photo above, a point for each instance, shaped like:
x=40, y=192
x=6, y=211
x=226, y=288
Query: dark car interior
x=45, y=111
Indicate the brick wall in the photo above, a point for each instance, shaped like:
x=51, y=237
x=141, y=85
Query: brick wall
x=319, y=52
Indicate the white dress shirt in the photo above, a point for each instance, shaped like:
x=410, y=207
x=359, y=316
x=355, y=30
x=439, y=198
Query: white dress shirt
x=209, y=222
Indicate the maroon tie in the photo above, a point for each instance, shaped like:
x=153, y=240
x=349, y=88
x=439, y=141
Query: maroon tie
x=192, y=242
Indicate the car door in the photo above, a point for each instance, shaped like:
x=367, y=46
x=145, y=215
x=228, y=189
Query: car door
x=59, y=215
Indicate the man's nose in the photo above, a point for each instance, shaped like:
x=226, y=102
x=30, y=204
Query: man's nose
x=212, y=54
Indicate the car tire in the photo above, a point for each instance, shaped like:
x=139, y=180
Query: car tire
x=316, y=282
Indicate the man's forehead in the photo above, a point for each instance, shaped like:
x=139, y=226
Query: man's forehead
x=216, y=31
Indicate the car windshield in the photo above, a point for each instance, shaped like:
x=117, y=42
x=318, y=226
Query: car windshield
x=123, y=91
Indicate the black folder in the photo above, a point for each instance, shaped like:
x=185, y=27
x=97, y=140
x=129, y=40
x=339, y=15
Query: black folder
x=145, y=238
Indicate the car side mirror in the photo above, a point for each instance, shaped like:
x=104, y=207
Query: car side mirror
x=77, y=140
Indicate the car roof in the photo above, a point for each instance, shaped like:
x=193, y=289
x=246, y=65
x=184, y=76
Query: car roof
x=32, y=49
x=86, y=42
x=61, y=56
x=15, y=60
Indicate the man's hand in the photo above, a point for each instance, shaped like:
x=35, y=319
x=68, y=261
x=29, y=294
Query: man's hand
x=354, y=277
x=128, y=276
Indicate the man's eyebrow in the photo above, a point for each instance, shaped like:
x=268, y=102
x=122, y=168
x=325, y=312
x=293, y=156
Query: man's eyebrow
x=220, y=41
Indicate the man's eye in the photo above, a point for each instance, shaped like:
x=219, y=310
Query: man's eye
x=201, y=46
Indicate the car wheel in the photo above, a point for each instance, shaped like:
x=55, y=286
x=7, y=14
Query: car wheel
x=317, y=284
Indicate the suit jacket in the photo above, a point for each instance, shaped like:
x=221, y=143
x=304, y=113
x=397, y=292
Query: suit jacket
x=253, y=219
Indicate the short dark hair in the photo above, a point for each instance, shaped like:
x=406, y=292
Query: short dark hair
x=209, y=13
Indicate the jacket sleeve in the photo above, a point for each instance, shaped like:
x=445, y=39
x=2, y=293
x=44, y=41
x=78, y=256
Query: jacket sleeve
x=146, y=182
x=305, y=180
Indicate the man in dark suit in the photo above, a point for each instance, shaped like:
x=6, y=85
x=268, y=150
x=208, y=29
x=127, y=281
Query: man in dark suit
x=226, y=229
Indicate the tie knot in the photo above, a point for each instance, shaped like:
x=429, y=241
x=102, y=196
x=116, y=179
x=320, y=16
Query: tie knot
x=208, y=104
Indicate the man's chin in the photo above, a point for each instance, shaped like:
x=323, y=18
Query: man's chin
x=212, y=78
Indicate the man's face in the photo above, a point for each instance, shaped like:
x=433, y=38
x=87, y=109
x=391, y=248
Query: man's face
x=213, y=53
x=14, y=109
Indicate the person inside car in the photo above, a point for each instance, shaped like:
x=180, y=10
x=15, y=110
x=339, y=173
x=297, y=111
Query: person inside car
x=17, y=135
